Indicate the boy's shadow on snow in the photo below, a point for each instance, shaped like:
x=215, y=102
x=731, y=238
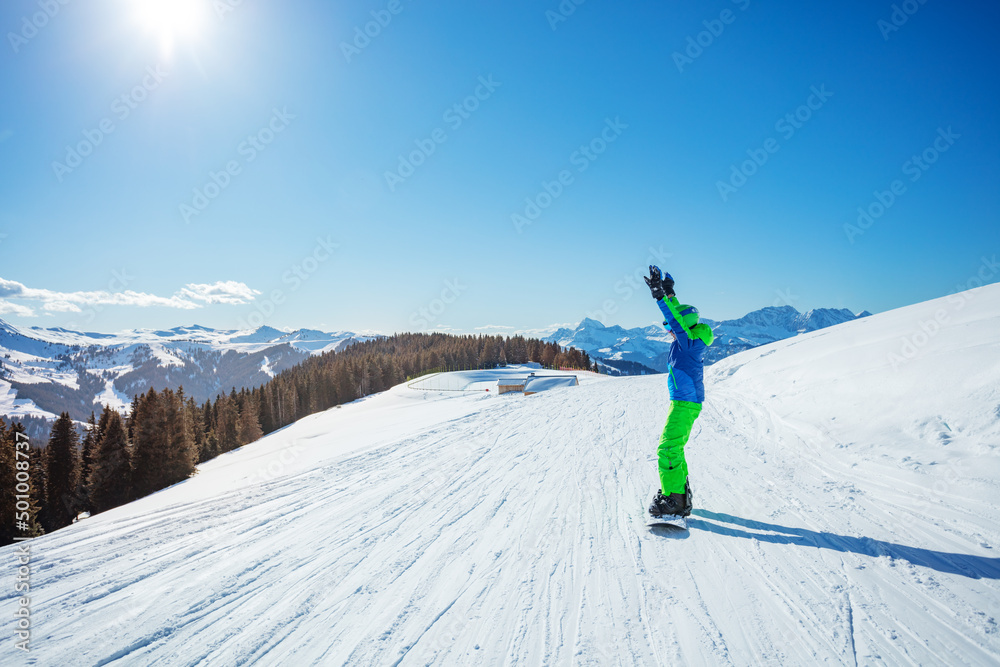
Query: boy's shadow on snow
x=669, y=532
x=974, y=567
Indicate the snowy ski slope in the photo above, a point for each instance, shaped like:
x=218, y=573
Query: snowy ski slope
x=848, y=513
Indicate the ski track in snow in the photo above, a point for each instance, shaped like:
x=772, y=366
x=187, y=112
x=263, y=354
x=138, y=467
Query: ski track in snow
x=528, y=548
x=512, y=532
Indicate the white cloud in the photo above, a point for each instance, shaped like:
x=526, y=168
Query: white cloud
x=61, y=307
x=6, y=307
x=546, y=331
x=493, y=326
x=191, y=296
x=229, y=292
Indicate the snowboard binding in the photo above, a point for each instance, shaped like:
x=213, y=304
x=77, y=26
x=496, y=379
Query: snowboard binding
x=670, y=510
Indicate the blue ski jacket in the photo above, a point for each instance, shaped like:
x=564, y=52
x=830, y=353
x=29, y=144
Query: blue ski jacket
x=686, y=359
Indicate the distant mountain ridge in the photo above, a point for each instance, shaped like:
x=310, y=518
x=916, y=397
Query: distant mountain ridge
x=649, y=346
x=47, y=371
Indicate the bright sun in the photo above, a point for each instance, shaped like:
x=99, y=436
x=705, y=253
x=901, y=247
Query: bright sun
x=171, y=20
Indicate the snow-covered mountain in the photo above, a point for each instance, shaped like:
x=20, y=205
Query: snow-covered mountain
x=46, y=371
x=847, y=493
x=772, y=324
x=648, y=346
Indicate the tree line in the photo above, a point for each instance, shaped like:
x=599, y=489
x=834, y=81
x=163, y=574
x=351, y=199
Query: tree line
x=117, y=458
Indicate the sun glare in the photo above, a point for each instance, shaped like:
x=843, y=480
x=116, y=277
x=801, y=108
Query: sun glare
x=171, y=20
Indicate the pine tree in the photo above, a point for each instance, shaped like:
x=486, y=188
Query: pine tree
x=35, y=482
x=535, y=351
x=485, y=353
x=102, y=424
x=179, y=454
x=149, y=444
x=210, y=447
x=36, y=462
x=226, y=427
x=129, y=421
x=197, y=420
x=266, y=415
x=109, y=483
x=344, y=383
x=289, y=403
x=60, y=473
x=373, y=375
x=88, y=452
x=248, y=424
x=548, y=355
x=391, y=373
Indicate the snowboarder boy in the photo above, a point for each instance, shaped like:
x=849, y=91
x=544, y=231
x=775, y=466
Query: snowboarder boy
x=687, y=393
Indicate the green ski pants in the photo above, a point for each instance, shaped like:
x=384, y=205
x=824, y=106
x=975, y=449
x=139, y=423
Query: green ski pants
x=677, y=430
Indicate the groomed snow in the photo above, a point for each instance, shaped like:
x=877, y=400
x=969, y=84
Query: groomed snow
x=479, y=380
x=550, y=381
x=848, y=513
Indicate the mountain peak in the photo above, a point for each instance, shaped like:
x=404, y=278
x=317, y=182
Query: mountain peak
x=649, y=346
x=261, y=334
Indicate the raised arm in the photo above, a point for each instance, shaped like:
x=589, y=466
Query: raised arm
x=670, y=307
x=661, y=286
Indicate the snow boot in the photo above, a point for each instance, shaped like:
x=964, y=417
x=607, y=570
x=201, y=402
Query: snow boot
x=688, y=498
x=672, y=505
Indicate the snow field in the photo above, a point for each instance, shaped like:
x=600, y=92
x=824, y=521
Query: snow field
x=848, y=513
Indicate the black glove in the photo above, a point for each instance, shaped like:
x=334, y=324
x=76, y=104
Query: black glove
x=655, y=283
x=668, y=284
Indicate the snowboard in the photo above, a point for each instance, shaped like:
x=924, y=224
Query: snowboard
x=670, y=520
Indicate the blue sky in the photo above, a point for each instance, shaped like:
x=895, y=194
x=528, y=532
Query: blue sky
x=641, y=109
